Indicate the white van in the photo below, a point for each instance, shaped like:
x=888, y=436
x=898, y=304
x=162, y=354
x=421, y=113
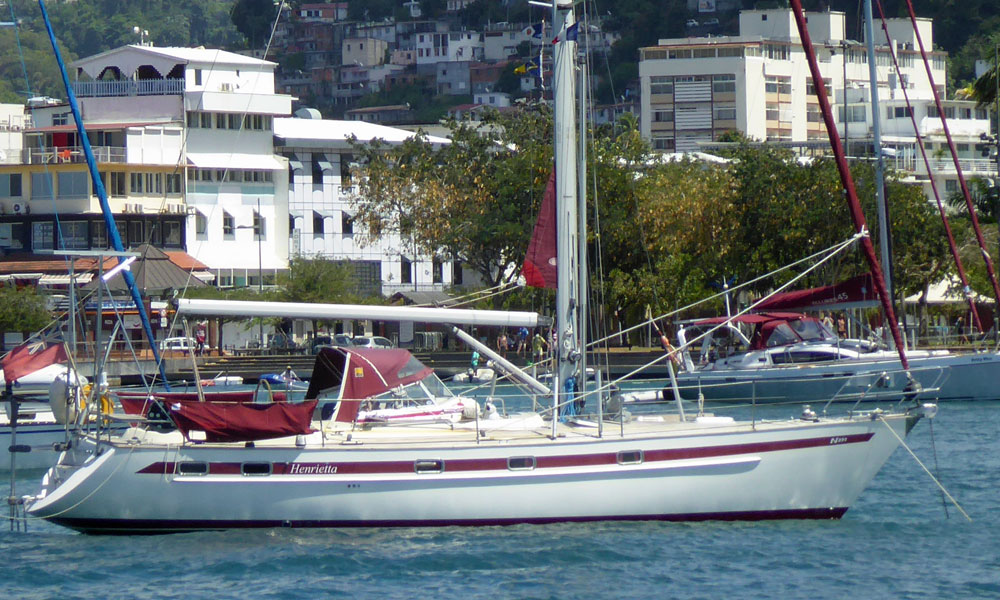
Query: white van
x=181, y=344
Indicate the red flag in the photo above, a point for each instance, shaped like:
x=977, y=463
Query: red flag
x=540, y=263
x=30, y=357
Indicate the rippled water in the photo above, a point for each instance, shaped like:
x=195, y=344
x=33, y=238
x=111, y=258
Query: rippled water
x=898, y=541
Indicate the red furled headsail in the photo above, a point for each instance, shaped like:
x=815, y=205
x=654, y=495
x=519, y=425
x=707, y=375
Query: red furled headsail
x=540, y=262
x=32, y=356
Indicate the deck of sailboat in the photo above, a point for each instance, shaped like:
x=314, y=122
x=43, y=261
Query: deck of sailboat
x=332, y=435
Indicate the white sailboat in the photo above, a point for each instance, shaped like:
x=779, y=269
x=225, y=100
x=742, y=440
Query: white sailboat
x=480, y=470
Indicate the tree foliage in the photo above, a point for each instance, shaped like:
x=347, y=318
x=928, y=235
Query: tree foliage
x=473, y=200
x=22, y=309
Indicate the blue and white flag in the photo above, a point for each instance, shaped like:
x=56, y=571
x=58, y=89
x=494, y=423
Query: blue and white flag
x=535, y=30
x=570, y=34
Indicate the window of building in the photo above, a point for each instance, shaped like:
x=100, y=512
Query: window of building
x=811, y=88
x=730, y=51
x=437, y=270
x=406, y=270
x=74, y=185
x=345, y=169
x=206, y=120
x=193, y=119
x=200, y=223
x=899, y=112
x=220, y=121
x=98, y=235
x=456, y=273
x=197, y=76
x=951, y=185
x=663, y=116
x=74, y=235
x=235, y=121
x=173, y=181
x=317, y=170
x=10, y=185
x=724, y=83
x=725, y=113
x=136, y=235
x=135, y=183
x=663, y=143
x=41, y=185
x=259, y=227
x=116, y=184
x=346, y=223
x=318, y=224
x=151, y=231
x=228, y=225
x=42, y=235
x=172, y=234
x=774, y=84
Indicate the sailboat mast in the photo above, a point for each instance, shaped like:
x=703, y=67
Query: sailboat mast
x=883, y=214
x=565, y=347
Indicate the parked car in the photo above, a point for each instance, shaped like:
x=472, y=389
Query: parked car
x=691, y=23
x=341, y=340
x=373, y=342
x=182, y=344
x=711, y=23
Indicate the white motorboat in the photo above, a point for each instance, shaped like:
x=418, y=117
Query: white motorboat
x=275, y=465
x=791, y=357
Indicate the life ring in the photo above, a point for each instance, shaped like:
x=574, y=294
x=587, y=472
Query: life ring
x=106, y=406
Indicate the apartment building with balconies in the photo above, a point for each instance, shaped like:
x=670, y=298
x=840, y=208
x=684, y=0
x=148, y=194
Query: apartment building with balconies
x=183, y=141
x=758, y=83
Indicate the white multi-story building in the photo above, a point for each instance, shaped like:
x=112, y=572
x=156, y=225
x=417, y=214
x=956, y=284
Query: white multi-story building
x=320, y=218
x=184, y=144
x=758, y=83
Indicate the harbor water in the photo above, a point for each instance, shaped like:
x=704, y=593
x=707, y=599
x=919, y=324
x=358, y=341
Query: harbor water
x=902, y=539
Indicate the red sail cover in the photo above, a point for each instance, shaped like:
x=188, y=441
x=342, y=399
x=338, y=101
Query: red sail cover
x=242, y=421
x=30, y=357
x=857, y=292
x=540, y=263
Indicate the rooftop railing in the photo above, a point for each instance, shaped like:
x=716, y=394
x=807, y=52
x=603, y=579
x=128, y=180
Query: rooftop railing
x=127, y=87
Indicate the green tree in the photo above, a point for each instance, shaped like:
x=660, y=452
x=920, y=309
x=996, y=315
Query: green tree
x=473, y=200
x=22, y=309
x=253, y=18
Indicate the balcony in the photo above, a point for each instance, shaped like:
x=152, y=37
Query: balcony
x=127, y=87
x=970, y=166
x=71, y=154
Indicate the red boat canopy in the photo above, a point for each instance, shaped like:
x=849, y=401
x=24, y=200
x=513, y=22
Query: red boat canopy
x=857, y=292
x=361, y=373
x=776, y=328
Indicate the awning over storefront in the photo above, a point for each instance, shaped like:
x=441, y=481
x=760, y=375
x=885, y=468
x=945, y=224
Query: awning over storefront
x=233, y=160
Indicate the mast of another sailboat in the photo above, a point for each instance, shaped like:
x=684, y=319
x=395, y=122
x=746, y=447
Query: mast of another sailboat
x=883, y=213
x=565, y=343
x=845, y=178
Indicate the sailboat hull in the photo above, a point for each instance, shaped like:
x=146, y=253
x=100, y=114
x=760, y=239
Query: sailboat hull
x=775, y=470
x=959, y=377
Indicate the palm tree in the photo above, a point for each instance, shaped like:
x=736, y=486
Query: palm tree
x=984, y=90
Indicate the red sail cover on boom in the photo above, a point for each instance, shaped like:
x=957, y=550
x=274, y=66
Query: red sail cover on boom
x=540, y=263
x=857, y=292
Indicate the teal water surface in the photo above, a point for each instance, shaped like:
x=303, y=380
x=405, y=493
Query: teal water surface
x=898, y=541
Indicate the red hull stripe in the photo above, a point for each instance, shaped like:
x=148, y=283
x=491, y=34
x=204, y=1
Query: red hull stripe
x=500, y=464
x=129, y=526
